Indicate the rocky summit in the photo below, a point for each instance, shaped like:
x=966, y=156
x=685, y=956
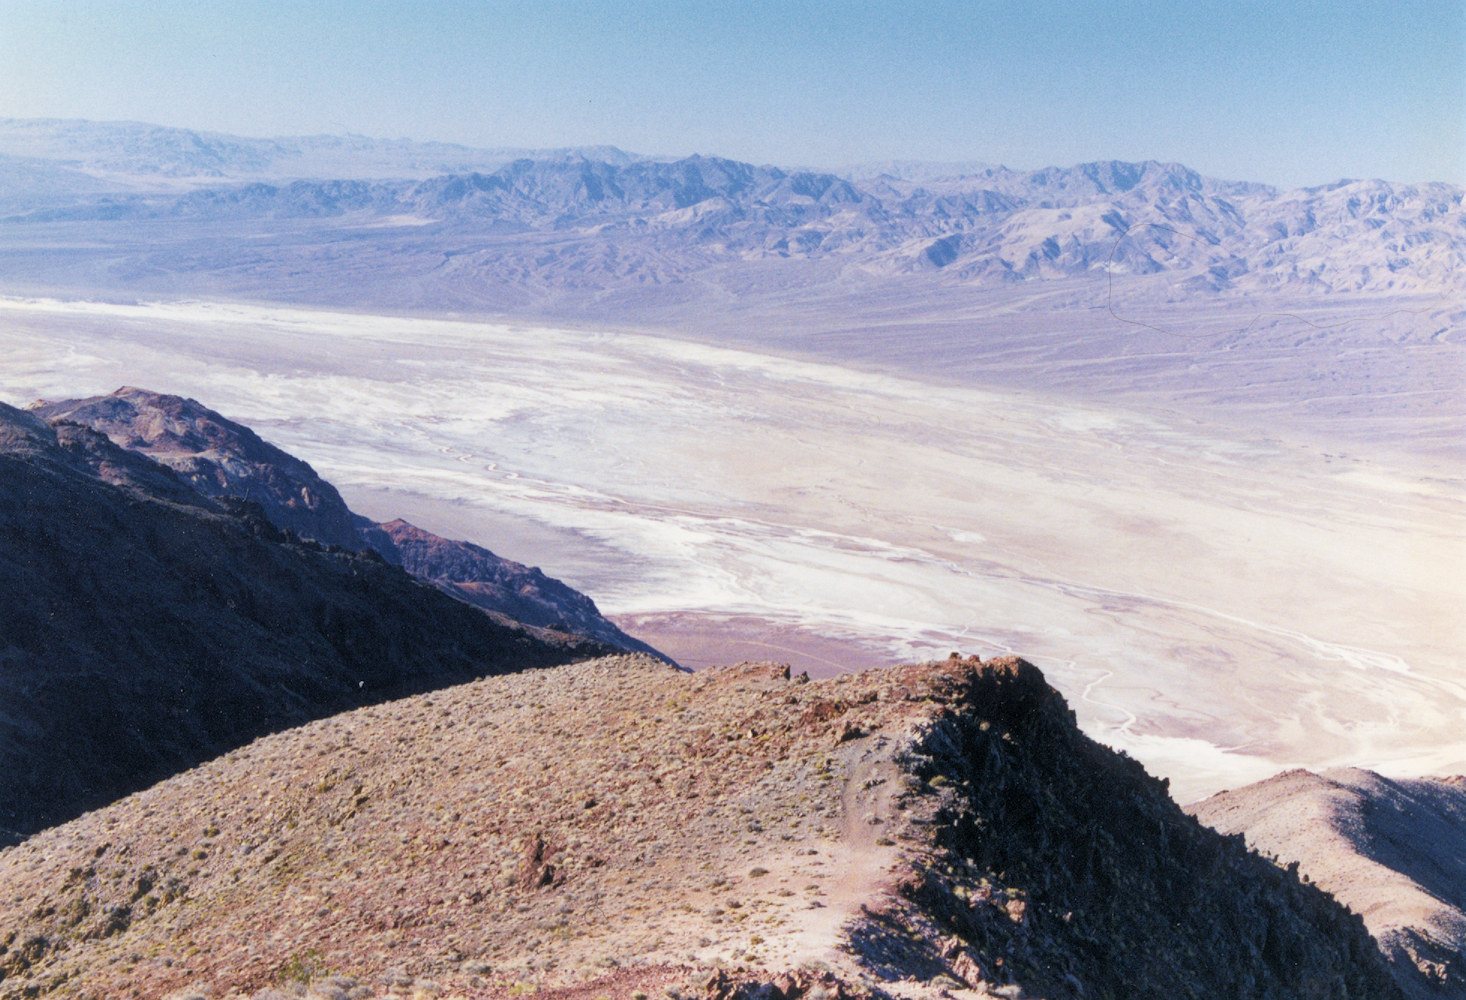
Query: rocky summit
x=617, y=828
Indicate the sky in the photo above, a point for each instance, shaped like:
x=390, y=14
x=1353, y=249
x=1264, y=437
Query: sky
x=1289, y=93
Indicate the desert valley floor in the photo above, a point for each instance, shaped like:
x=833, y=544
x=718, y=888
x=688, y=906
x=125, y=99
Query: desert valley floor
x=1217, y=603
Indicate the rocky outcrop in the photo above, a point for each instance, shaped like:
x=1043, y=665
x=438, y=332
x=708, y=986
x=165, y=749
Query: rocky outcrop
x=147, y=628
x=1062, y=866
x=620, y=829
x=475, y=575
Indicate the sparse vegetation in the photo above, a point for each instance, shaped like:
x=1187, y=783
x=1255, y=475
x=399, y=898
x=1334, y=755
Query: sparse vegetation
x=303, y=967
x=561, y=847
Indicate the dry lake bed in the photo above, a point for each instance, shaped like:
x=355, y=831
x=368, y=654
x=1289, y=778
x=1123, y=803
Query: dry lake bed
x=1218, y=603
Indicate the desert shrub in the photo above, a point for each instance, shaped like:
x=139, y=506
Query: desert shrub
x=303, y=967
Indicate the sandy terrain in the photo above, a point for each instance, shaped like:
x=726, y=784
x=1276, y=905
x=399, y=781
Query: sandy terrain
x=1218, y=602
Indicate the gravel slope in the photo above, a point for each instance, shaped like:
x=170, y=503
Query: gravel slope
x=617, y=827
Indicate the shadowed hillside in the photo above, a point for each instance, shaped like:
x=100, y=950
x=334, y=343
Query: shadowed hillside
x=221, y=458
x=148, y=628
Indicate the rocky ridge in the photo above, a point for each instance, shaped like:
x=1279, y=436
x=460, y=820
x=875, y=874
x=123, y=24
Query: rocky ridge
x=221, y=458
x=616, y=828
x=148, y=627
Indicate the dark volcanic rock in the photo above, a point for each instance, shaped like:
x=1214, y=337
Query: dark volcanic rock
x=476, y=575
x=220, y=458
x=147, y=628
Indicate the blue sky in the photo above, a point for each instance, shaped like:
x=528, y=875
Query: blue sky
x=1288, y=93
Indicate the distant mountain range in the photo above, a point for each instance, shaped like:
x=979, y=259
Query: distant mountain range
x=158, y=156
x=598, y=220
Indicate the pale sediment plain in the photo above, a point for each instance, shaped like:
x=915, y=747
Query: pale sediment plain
x=1218, y=604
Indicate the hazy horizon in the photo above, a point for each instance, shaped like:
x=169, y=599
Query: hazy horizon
x=1293, y=96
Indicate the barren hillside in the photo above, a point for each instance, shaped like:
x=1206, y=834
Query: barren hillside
x=221, y=458
x=1393, y=851
x=617, y=828
x=147, y=628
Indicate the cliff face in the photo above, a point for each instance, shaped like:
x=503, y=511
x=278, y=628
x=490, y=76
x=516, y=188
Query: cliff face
x=147, y=628
x=617, y=828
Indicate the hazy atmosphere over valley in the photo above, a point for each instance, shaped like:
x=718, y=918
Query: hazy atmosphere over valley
x=1126, y=340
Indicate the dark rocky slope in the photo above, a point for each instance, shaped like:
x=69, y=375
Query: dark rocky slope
x=1393, y=850
x=221, y=458
x=1069, y=868
x=474, y=574
x=147, y=628
x=619, y=829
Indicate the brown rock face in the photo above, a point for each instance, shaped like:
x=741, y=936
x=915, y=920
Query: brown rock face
x=617, y=828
